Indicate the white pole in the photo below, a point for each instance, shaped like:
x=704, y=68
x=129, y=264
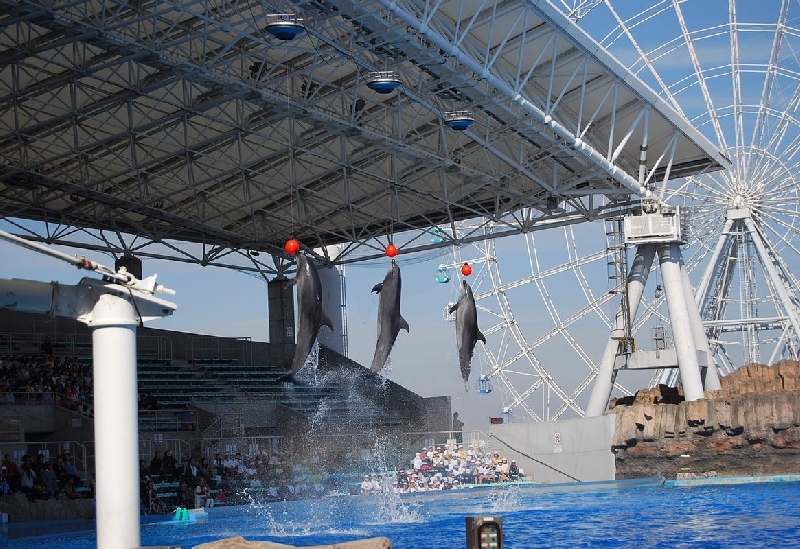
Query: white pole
x=113, y=322
x=711, y=377
x=640, y=270
x=670, y=261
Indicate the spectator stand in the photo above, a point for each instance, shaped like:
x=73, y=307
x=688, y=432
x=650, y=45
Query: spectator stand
x=82, y=454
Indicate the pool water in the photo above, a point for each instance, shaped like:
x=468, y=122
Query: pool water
x=646, y=514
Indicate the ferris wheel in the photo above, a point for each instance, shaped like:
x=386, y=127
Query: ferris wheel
x=545, y=300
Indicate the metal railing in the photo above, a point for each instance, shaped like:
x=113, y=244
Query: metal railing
x=168, y=420
x=180, y=448
x=51, y=450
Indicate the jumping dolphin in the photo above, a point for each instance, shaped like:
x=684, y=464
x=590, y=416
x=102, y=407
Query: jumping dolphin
x=310, y=316
x=467, y=332
x=389, y=319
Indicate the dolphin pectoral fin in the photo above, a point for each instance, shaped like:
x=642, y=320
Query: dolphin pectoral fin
x=377, y=287
x=480, y=337
x=404, y=325
x=325, y=321
x=452, y=308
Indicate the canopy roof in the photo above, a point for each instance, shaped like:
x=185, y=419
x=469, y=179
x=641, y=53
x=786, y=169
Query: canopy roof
x=188, y=121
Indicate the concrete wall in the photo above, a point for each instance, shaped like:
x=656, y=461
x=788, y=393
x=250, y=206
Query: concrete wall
x=332, y=300
x=559, y=451
x=36, y=418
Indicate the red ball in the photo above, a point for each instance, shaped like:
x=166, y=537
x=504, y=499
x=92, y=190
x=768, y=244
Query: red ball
x=292, y=246
x=391, y=250
x=466, y=270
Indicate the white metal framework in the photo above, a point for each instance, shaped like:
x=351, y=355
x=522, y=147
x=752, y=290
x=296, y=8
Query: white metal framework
x=152, y=125
x=731, y=68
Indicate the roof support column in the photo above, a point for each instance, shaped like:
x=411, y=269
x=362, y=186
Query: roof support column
x=637, y=279
x=670, y=261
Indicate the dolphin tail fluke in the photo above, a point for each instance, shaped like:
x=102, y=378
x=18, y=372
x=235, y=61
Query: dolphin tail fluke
x=377, y=287
x=404, y=325
x=325, y=321
x=480, y=337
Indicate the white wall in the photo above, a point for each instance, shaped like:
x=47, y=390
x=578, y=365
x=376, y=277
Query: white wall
x=554, y=451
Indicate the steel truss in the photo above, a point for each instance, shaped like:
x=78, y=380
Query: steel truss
x=185, y=130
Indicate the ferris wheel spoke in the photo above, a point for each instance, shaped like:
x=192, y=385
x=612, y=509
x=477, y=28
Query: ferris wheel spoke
x=572, y=254
x=551, y=309
x=539, y=275
x=778, y=191
x=511, y=389
x=652, y=309
x=769, y=81
x=779, y=257
x=523, y=396
x=702, y=235
x=787, y=120
x=689, y=42
x=643, y=57
x=707, y=193
x=774, y=210
x=736, y=84
x=789, y=228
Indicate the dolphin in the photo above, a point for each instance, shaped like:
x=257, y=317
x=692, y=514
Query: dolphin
x=310, y=315
x=390, y=322
x=467, y=332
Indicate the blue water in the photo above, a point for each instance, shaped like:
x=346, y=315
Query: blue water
x=640, y=514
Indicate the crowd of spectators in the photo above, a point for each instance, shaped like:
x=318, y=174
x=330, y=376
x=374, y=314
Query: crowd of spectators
x=47, y=379
x=41, y=478
x=445, y=468
x=231, y=479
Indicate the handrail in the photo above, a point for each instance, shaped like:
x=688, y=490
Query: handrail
x=168, y=420
x=50, y=450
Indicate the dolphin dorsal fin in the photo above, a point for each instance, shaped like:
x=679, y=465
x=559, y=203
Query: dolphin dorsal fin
x=377, y=287
x=480, y=337
x=404, y=325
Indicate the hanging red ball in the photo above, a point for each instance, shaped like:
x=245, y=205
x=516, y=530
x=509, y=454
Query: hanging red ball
x=292, y=246
x=466, y=270
x=391, y=250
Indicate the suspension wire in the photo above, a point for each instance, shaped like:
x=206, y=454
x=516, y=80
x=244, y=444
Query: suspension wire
x=292, y=180
x=392, y=210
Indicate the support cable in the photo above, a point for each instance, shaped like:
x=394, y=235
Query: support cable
x=540, y=462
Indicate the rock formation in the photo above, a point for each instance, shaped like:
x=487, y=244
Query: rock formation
x=750, y=426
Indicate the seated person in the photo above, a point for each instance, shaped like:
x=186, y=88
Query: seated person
x=513, y=471
x=153, y=505
x=202, y=495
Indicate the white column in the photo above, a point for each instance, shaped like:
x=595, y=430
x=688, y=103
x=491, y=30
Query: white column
x=711, y=376
x=637, y=279
x=116, y=414
x=670, y=261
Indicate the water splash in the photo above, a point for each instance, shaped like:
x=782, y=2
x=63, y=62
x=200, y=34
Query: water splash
x=504, y=498
x=392, y=509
